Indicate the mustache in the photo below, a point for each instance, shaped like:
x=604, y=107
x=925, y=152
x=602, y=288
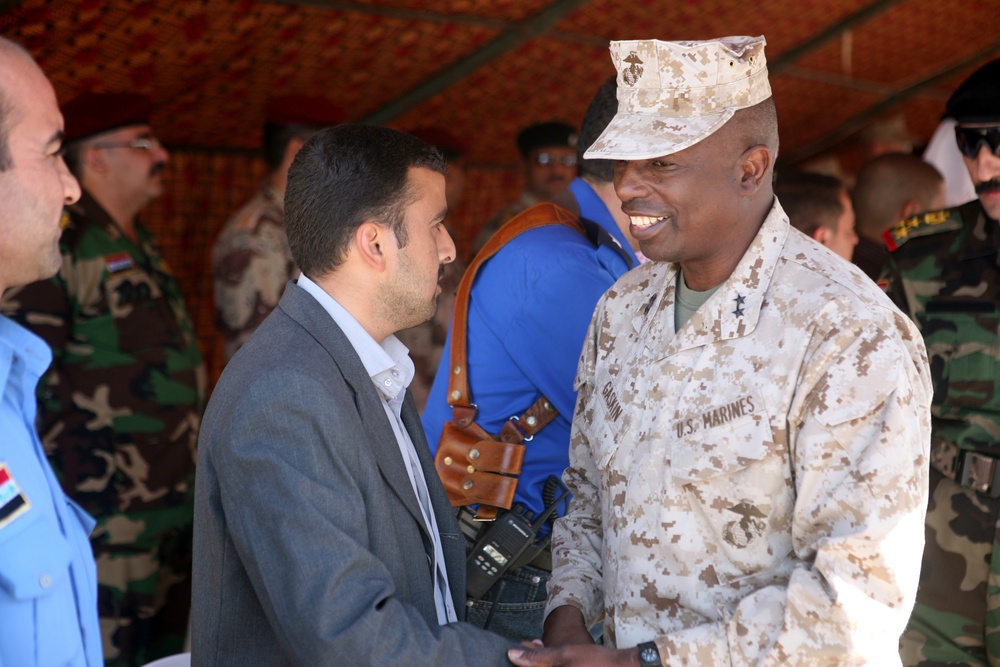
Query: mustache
x=992, y=185
x=157, y=168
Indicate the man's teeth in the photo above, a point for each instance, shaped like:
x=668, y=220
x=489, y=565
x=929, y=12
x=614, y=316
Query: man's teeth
x=644, y=220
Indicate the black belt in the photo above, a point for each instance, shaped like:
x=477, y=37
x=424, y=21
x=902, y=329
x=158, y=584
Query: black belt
x=470, y=528
x=972, y=470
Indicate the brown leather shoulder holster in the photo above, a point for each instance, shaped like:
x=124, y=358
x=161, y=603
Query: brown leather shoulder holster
x=478, y=468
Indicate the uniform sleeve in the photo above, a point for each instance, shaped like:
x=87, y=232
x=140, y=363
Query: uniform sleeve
x=892, y=280
x=860, y=443
x=45, y=308
x=251, y=268
x=577, y=538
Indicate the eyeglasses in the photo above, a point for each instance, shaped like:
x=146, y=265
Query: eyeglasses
x=545, y=159
x=142, y=143
x=971, y=138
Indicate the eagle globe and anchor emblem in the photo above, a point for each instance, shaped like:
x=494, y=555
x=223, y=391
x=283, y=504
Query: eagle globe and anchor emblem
x=740, y=533
x=632, y=73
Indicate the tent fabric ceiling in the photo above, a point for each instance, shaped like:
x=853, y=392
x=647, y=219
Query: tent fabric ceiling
x=485, y=68
x=482, y=69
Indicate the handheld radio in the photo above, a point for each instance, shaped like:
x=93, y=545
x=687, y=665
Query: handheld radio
x=509, y=542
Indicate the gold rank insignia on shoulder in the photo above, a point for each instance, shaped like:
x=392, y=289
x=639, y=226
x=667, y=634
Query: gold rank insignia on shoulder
x=922, y=224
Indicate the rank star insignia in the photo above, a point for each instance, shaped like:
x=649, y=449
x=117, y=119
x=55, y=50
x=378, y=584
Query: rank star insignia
x=739, y=303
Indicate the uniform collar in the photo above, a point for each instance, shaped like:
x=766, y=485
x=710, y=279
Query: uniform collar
x=23, y=344
x=592, y=207
x=734, y=310
x=87, y=208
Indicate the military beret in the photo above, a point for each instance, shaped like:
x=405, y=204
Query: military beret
x=977, y=100
x=94, y=113
x=450, y=145
x=544, y=135
x=303, y=110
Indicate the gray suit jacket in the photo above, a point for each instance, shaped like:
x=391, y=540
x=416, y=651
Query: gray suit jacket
x=309, y=547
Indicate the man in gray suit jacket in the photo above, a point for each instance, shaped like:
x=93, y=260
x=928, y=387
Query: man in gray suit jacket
x=322, y=533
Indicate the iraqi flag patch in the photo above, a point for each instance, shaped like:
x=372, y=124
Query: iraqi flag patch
x=13, y=502
x=121, y=261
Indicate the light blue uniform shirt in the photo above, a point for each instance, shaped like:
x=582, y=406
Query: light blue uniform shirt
x=529, y=311
x=48, y=580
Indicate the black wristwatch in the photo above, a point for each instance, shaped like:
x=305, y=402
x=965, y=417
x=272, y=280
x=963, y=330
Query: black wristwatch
x=649, y=655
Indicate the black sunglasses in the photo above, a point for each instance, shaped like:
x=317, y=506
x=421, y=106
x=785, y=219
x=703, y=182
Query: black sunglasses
x=971, y=138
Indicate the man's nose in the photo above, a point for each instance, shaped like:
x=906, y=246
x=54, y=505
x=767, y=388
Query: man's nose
x=446, y=248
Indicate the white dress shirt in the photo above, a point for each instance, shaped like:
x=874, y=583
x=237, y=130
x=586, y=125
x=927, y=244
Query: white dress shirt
x=391, y=370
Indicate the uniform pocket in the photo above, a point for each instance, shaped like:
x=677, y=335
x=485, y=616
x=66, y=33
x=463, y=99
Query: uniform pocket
x=34, y=571
x=35, y=561
x=737, y=480
x=141, y=314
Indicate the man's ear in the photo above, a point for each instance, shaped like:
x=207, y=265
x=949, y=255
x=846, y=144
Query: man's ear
x=754, y=165
x=821, y=235
x=291, y=150
x=911, y=207
x=370, y=241
x=94, y=159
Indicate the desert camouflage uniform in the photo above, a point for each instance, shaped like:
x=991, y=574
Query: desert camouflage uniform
x=945, y=274
x=251, y=264
x=119, y=415
x=749, y=490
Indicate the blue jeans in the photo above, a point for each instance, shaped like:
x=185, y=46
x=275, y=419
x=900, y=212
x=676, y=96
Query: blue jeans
x=519, y=612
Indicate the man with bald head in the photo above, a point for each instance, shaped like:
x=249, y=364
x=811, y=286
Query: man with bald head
x=749, y=448
x=48, y=582
x=890, y=189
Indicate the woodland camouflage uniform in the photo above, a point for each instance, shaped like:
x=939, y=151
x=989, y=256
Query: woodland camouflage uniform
x=945, y=273
x=119, y=415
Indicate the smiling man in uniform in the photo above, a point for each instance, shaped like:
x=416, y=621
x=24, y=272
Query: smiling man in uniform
x=749, y=448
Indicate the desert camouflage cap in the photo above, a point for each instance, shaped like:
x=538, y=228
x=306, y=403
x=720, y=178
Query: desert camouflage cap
x=671, y=95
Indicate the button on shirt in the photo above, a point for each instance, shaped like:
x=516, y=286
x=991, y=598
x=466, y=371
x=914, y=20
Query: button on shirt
x=391, y=371
x=48, y=580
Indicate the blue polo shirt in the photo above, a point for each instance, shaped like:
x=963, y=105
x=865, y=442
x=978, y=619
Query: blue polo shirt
x=48, y=580
x=529, y=311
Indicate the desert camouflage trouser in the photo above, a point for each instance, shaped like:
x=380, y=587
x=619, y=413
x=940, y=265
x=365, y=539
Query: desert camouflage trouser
x=956, y=620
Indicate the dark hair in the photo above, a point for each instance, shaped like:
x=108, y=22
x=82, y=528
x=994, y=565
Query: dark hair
x=602, y=109
x=810, y=200
x=277, y=137
x=343, y=176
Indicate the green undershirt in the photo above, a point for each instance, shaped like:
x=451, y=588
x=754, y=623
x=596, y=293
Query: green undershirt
x=688, y=301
